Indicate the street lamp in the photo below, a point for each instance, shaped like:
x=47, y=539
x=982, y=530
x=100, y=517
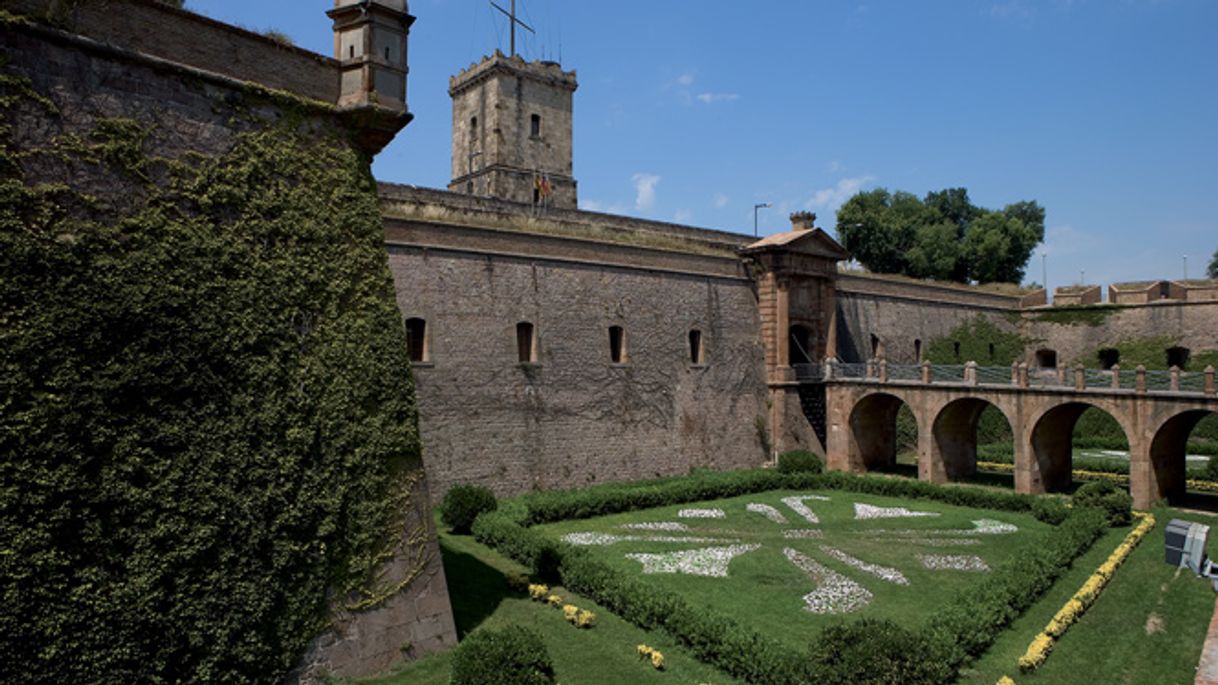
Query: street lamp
x=756, y=207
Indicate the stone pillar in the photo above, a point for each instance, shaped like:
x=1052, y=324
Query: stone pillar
x=970, y=373
x=1140, y=380
x=1061, y=375
x=1175, y=379
x=830, y=368
x=1209, y=381
x=883, y=370
x=1080, y=378
x=1023, y=374
x=926, y=372
x=782, y=332
x=1015, y=373
x=1116, y=376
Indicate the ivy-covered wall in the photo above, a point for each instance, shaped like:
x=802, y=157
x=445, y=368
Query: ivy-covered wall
x=208, y=436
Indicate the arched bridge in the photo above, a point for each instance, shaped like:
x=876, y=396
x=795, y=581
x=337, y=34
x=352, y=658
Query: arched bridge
x=1157, y=410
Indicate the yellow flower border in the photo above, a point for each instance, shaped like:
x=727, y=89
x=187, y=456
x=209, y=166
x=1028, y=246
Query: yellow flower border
x=1073, y=609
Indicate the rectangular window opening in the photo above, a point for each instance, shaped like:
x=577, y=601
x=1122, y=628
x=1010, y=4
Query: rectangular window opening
x=535, y=130
x=695, y=348
x=416, y=340
x=526, y=343
x=617, y=345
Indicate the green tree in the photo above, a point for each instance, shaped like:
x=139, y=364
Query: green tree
x=1212, y=271
x=943, y=237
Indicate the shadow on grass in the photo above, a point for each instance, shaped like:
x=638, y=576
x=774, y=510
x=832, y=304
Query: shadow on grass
x=474, y=588
x=1200, y=501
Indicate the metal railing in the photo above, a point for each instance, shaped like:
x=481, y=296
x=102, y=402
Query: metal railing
x=1139, y=380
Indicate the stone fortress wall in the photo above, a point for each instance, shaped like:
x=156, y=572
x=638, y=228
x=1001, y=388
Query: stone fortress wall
x=190, y=79
x=573, y=416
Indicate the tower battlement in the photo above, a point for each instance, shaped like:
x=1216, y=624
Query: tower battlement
x=546, y=72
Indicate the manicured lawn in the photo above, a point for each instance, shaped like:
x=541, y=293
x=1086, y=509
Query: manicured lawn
x=603, y=655
x=766, y=591
x=1147, y=627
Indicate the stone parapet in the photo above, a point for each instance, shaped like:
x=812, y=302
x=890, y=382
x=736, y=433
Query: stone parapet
x=181, y=36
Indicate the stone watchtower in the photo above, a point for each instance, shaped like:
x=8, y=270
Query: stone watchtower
x=512, y=131
x=370, y=41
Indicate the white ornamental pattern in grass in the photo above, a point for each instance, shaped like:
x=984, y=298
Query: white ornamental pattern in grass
x=711, y=561
x=992, y=527
x=766, y=511
x=797, y=505
x=884, y=573
x=700, y=514
x=671, y=526
x=834, y=593
x=980, y=527
x=953, y=562
x=865, y=512
x=603, y=539
x=803, y=533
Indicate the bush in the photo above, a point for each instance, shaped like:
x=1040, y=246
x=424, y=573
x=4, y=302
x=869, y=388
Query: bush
x=463, y=503
x=799, y=461
x=876, y=652
x=1211, y=469
x=512, y=655
x=1116, y=504
x=1050, y=510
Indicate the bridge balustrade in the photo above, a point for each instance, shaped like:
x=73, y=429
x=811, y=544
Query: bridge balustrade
x=1137, y=380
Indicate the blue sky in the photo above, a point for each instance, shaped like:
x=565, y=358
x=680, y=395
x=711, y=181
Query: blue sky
x=1104, y=111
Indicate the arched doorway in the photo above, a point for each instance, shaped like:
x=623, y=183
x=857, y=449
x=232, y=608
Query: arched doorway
x=956, y=433
x=1169, y=450
x=1052, y=445
x=875, y=434
x=801, y=345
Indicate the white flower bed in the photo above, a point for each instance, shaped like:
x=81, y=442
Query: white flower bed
x=767, y=511
x=712, y=561
x=602, y=539
x=865, y=512
x=834, y=593
x=803, y=533
x=953, y=562
x=885, y=573
x=671, y=526
x=993, y=527
x=797, y=505
x=700, y=514
x=942, y=542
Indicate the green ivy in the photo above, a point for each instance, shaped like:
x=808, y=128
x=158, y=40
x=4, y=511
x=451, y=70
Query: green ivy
x=207, y=419
x=979, y=340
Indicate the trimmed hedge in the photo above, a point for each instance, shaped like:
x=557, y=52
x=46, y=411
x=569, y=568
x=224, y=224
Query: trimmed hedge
x=963, y=629
x=799, y=461
x=968, y=625
x=463, y=503
x=565, y=505
x=512, y=655
x=1104, y=495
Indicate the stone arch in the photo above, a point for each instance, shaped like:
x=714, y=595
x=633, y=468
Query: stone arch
x=873, y=431
x=1168, y=449
x=1051, y=450
x=953, y=443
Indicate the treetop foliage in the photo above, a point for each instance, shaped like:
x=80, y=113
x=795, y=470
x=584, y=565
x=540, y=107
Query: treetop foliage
x=1212, y=270
x=943, y=236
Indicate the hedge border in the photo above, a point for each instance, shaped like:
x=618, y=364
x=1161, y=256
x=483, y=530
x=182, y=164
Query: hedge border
x=958, y=632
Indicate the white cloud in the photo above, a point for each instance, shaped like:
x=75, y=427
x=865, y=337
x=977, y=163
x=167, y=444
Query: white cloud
x=835, y=166
x=686, y=80
x=831, y=198
x=598, y=206
x=645, y=189
x=1011, y=9
x=711, y=98
x=721, y=200
x=683, y=216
